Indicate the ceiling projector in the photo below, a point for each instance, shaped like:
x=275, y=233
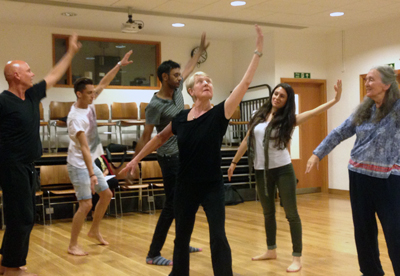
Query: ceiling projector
x=132, y=26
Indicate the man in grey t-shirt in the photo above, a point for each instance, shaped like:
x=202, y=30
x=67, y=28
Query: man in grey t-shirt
x=165, y=105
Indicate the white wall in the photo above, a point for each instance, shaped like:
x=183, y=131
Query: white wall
x=243, y=51
x=33, y=44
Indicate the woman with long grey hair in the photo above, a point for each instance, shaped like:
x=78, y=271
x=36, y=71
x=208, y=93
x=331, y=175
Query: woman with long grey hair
x=374, y=168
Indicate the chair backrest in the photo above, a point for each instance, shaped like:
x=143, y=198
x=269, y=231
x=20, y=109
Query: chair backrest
x=142, y=107
x=102, y=111
x=236, y=114
x=151, y=170
x=53, y=175
x=186, y=106
x=59, y=110
x=41, y=111
x=124, y=111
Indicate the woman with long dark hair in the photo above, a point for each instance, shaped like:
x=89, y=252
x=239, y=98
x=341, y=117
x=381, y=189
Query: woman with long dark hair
x=270, y=131
x=374, y=168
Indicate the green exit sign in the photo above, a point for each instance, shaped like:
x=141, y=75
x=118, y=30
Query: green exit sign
x=298, y=75
x=391, y=65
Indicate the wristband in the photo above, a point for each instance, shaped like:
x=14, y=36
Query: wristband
x=92, y=175
x=119, y=64
x=233, y=163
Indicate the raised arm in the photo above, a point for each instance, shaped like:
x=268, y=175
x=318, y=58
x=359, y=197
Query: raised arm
x=105, y=81
x=237, y=94
x=189, y=67
x=152, y=145
x=240, y=152
x=61, y=67
x=87, y=157
x=303, y=117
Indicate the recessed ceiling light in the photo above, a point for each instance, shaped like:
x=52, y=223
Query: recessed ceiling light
x=238, y=3
x=69, y=14
x=178, y=25
x=333, y=14
x=120, y=46
x=90, y=58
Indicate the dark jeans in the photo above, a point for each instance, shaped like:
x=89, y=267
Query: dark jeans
x=370, y=196
x=188, y=198
x=18, y=182
x=169, y=167
x=284, y=179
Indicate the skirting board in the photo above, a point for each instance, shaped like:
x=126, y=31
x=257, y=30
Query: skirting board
x=339, y=192
x=311, y=190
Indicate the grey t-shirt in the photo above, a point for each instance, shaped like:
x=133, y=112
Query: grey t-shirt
x=160, y=112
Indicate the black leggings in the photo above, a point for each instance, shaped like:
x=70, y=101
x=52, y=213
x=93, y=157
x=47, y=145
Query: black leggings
x=18, y=182
x=188, y=198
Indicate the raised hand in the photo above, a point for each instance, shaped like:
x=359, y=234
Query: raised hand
x=313, y=161
x=74, y=45
x=260, y=39
x=203, y=43
x=125, y=60
x=338, y=90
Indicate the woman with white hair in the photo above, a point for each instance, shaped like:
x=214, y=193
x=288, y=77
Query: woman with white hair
x=374, y=168
x=199, y=132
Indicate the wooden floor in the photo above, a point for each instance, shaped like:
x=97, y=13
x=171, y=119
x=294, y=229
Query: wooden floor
x=327, y=237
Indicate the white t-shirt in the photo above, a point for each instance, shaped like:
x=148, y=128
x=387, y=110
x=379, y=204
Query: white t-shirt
x=83, y=119
x=277, y=158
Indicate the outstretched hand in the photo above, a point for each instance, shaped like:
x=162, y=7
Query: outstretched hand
x=125, y=60
x=338, y=90
x=203, y=43
x=313, y=161
x=74, y=45
x=260, y=39
x=130, y=168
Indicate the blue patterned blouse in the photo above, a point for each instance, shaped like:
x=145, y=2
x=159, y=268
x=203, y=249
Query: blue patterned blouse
x=376, y=151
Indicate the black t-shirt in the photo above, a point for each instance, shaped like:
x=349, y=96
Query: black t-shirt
x=19, y=125
x=199, y=143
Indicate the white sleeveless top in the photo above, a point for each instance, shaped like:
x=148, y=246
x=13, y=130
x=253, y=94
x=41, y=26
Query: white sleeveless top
x=277, y=158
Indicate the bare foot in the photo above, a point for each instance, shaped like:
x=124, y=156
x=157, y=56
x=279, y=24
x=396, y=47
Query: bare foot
x=269, y=255
x=295, y=266
x=17, y=272
x=77, y=251
x=3, y=269
x=99, y=237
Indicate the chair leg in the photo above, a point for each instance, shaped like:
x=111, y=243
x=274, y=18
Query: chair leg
x=43, y=213
x=48, y=197
x=56, y=138
x=120, y=202
x=48, y=139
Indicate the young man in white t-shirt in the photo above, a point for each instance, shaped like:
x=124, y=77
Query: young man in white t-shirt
x=84, y=148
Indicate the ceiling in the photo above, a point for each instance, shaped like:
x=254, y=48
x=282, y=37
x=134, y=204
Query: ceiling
x=217, y=17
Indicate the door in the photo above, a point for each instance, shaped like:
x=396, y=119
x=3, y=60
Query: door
x=310, y=94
